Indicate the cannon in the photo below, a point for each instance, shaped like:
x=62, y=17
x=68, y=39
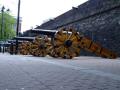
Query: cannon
x=40, y=46
x=23, y=44
x=10, y=46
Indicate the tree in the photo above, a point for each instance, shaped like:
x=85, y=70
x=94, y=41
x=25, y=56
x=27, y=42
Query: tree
x=9, y=27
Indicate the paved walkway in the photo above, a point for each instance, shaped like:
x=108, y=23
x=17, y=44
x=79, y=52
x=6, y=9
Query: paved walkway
x=19, y=72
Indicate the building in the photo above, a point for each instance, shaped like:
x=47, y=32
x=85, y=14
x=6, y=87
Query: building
x=20, y=24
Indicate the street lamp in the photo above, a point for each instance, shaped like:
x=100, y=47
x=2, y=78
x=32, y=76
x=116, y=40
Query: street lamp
x=17, y=29
x=18, y=19
x=2, y=21
x=2, y=25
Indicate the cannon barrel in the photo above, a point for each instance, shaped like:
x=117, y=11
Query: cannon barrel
x=24, y=38
x=14, y=41
x=44, y=31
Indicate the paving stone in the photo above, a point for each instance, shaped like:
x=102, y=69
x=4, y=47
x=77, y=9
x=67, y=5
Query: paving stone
x=33, y=73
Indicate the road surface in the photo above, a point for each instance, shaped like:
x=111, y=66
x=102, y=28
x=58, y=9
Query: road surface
x=18, y=72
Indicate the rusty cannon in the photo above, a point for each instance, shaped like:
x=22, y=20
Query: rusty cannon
x=22, y=44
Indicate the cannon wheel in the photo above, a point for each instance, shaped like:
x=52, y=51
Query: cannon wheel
x=66, y=43
x=52, y=52
x=24, y=48
x=39, y=46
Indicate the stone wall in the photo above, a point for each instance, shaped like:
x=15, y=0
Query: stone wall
x=97, y=19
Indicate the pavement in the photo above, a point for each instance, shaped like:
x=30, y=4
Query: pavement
x=19, y=72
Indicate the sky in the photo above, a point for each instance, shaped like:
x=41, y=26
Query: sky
x=35, y=12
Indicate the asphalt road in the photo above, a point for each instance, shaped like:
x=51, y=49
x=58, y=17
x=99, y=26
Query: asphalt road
x=19, y=72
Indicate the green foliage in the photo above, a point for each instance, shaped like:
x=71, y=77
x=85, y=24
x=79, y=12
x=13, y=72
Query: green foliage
x=9, y=23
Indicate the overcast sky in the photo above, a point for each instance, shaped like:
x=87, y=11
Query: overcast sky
x=35, y=12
